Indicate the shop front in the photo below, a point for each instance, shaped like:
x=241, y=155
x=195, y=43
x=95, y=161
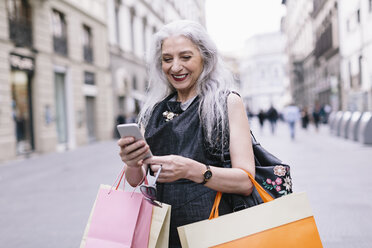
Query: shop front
x=22, y=69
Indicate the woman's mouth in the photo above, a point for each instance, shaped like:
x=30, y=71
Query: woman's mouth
x=179, y=78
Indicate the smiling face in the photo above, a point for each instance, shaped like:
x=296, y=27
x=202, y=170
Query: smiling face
x=182, y=64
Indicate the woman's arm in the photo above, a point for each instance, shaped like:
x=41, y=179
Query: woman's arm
x=226, y=180
x=132, y=154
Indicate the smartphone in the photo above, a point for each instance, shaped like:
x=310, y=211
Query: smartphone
x=132, y=130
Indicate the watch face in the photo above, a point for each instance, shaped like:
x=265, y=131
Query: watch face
x=207, y=174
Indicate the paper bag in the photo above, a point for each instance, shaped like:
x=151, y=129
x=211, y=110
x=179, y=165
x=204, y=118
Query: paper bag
x=118, y=219
x=159, y=231
x=286, y=221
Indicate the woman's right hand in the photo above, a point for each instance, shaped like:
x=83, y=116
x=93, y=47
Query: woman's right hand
x=132, y=152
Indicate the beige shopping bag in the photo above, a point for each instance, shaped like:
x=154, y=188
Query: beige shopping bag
x=159, y=230
x=286, y=221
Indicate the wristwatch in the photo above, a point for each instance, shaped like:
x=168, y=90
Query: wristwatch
x=207, y=175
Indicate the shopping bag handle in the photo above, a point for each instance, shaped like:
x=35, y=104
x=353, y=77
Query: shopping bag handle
x=121, y=175
x=266, y=197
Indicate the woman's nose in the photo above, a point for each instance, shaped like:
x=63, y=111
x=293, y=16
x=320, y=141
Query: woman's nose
x=176, y=66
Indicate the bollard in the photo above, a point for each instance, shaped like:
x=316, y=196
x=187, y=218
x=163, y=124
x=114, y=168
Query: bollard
x=344, y=126
x=365, y=128
x=331, y=120
x=354, y=125
x=336, y=123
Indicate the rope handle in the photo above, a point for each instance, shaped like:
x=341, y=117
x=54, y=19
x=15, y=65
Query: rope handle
x=121, y=175
x=266, y=197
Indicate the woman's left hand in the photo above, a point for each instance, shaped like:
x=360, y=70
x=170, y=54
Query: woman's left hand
x=174, y=167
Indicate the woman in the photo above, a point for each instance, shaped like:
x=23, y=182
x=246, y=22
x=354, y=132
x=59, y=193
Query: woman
x=196, y=129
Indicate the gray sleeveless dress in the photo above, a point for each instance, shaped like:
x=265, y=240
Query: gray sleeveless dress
x=183, y=135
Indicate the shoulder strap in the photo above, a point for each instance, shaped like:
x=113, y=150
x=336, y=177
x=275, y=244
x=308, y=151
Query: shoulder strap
x=254, y=141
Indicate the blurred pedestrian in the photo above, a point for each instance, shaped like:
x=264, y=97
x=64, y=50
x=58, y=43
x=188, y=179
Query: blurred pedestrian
x=120, y=119
x=261, y=118
x=305, y=117
x=327, y=110
x=272, y=116
x=322, y=115
x=192, y=122
x=291, y=116
x=316, y=115
x=249, y=114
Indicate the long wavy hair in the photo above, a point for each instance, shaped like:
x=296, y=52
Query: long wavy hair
x=213, y=85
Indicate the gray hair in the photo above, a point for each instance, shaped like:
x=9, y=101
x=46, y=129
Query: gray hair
x=213, y=85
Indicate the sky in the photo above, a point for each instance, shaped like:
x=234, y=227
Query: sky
x=231, y=22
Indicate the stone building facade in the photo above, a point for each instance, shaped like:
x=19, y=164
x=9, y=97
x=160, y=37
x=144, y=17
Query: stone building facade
x=356, y=54
x=55, y=89
x=313, y=47
x=298, y=27
x=327, y=89
x=69, y=68
x=332, y=66
x=263, y=75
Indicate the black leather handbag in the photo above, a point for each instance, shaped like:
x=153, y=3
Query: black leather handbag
x=271, y=173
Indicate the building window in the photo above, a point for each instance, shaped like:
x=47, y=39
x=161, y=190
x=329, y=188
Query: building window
x=19, y=18
x=59, y=32
x=117, y=25
x=144, y=22
x=89, y=78
x=350, y=75
x=135, y=86
x=324, y=41
x=132, y=16
x=87, y=44
x=358, y=15
x=360, y=64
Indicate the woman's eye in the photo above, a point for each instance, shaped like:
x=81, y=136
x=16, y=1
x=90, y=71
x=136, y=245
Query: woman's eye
x=167, y=59
x=186, y=57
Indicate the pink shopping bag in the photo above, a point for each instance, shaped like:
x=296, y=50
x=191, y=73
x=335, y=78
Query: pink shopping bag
x=119, y=219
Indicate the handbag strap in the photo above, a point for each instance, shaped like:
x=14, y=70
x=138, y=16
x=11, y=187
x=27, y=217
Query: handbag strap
x=266, y=197
x=254, y=141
